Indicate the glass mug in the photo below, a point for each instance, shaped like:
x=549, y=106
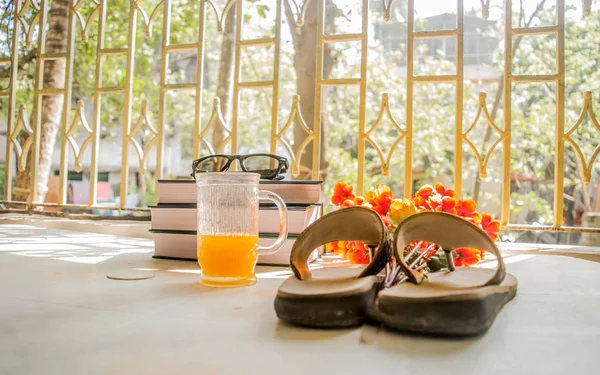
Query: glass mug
x=227, y=227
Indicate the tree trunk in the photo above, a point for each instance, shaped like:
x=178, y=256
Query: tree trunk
x=54, y=76
x=225, y=88
x=305, y=41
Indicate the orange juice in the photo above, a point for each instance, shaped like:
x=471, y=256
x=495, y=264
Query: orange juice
x=231, y=257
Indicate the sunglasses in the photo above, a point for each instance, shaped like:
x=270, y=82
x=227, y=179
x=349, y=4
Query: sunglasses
x=268, y=166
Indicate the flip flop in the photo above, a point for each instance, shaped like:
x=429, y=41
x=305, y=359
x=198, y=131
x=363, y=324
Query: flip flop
x=460, y=302
x=334, y=297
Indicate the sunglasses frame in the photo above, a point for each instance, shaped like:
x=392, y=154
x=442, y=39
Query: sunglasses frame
x=282, y=167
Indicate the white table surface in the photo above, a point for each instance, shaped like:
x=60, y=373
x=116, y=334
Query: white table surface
x=60, y=314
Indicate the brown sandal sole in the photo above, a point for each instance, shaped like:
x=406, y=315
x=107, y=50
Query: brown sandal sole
x=458, y=316
x=338, y=312
x=462, y=302
x=337, y=299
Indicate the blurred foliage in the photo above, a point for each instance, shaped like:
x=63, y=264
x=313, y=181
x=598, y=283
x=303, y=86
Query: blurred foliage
x=533, y=117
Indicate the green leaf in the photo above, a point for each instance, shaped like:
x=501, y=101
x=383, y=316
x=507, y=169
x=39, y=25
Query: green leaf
x=262, y=10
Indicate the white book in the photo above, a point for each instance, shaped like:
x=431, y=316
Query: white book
x=183, y=217
x=182, y=245
x=291, y=191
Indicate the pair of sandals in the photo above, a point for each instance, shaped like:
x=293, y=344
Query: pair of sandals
x=459, y=302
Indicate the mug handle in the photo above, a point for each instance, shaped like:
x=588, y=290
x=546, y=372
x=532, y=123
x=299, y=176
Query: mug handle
x=283, y=220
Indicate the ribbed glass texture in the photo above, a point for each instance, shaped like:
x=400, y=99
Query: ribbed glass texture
x=227, y=203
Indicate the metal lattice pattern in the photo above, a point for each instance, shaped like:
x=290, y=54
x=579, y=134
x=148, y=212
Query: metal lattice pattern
x=30, y=18
x=21, y=125
x=79, y=119
x=385, y=111
x=588, y=111
x=295, y=114
x=483, y=160
x=142, y=123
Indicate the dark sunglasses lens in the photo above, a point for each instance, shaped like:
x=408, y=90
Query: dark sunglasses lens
x=212, y=164
x=266, y=166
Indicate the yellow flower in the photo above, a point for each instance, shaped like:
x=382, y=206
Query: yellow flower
x=400, y=209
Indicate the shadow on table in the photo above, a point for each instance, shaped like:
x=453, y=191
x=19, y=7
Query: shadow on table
x=289, y=332
x=413, y=344
x=175, y=282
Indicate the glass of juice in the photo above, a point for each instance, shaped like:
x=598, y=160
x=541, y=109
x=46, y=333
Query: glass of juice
x=227, y=227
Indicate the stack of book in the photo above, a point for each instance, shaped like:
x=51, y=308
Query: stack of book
x=174, y=217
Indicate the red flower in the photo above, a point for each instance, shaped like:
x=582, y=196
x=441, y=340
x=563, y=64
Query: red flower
x=435, y=200
x=466, y=257
x=447, y=204
x=441, y=190
x=338, y=247
x=476, y=218
x=428, y=198
x=466, y=208
x=424, y=192
x=490, y=226
x=348, y=203
x=380, y=199
x=356, y=201
x=421, y=203
x=358, y=253
x=341, y=193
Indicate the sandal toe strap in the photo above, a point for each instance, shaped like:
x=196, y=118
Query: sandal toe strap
x=448, y=231
x=348, y=224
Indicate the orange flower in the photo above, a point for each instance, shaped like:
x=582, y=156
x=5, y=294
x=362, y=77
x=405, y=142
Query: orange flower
x=438, y=198
x=476, y=218
x=358, y=253
x=447, y=204
x=466, y=208
x=338, y=247
x=466, y=257
x=341, y=192
x=425, y=192
x=380, y=199
x=490, y=226
x=331, y=247
x=482, y=254
x=440, y=189
x=348, y=203
x=435, y=200
x=421, y=203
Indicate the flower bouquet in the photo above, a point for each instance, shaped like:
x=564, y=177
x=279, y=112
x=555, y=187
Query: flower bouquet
x=393, y=210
